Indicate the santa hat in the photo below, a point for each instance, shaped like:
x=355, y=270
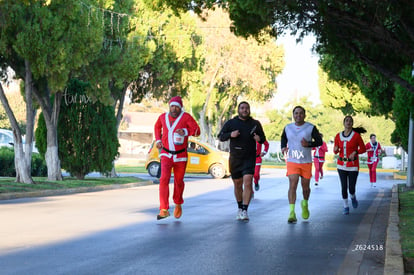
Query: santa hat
x=176, y=101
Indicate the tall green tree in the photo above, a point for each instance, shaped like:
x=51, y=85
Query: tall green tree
x=371, y=41
x=87, y=133
x=235, y=68
x=52, y=39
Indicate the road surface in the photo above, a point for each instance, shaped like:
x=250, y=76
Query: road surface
x=116, y=231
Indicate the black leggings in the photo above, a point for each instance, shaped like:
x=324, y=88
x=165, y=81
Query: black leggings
x=348, y=180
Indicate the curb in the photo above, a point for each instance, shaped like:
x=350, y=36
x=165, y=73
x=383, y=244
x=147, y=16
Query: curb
x=393, y=253
x=59, y=192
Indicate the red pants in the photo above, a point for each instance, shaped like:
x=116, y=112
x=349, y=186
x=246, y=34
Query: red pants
x=256, y=175
x=373, y=171
x=318, y=168
x=167, y=164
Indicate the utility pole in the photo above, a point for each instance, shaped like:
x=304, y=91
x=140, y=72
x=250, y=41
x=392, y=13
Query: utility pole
x=410, y=166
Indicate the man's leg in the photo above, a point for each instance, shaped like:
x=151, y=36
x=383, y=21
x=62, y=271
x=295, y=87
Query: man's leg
x=164, y=190
x=247, y=190
x=179, y=172
x=306, y=193
x=238, y=194
x=293, y=185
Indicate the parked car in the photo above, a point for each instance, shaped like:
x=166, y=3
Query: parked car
x=202, y=159
x=7, y=140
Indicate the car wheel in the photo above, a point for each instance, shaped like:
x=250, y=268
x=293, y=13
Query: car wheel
x=153, y=168
x=217, y=171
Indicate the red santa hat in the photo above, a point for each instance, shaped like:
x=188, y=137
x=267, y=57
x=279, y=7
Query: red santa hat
x=176, y=101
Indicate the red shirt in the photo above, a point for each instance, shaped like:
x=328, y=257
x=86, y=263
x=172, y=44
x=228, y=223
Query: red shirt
x=373, y=155
x=346, y=145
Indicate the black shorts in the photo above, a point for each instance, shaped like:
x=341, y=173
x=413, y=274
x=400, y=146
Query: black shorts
x=241, y=166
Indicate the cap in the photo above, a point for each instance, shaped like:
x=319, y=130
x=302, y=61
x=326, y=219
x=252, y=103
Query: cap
x=176, y=101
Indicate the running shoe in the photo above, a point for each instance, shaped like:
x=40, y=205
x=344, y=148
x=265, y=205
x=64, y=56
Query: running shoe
x=163, y=214
x=354, y=202
x=321, y=177
x=244, y=217
x=178, y=211
x=316, y=183
x=292, y=218
x=305, y=210
x=346, y=211
x=256, y=187
x=239, y=214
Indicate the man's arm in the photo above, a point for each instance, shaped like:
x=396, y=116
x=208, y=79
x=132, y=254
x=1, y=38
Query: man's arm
x=283, y=141
x=316, y=138
x=225, y=133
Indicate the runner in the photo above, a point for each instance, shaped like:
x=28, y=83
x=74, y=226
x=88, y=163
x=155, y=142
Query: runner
x=373, y=151
x=319, y=160
x=297, y=141
x=172, y=130
x=349, y=144
x=243, y=132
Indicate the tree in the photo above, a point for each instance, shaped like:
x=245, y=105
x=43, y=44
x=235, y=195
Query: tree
x=372, y=41
x=402, y=106
x=235, y=68
x=50, y=42
x=348, y=99
x=87, y=133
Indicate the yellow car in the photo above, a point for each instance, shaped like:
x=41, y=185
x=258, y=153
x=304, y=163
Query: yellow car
x=202, y=159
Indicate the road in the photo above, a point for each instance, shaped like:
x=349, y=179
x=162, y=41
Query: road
x=116, y=232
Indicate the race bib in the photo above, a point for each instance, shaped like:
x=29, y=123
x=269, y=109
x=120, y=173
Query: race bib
x=178, y=140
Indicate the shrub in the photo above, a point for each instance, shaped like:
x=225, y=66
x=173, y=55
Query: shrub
x=7, y=168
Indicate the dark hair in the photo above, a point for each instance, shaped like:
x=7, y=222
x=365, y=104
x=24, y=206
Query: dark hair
x=243, y=102
x=300, y=107
x=372, y=135
x=359, y=130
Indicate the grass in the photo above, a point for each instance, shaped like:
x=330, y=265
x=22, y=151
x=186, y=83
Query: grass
x=406, y=214
x=8, y=184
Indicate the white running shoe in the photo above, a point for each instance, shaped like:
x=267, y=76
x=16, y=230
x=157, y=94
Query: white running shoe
x=239, y=214
x=244, y=216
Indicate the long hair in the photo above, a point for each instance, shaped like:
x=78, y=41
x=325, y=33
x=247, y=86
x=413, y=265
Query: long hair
x=359, y=130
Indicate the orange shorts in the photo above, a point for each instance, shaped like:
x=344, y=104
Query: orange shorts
x=302, y=169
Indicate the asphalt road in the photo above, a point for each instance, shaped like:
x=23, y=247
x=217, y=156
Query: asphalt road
x=116, y=232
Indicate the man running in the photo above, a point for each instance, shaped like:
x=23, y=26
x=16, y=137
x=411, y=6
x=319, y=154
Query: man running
x=243, y=132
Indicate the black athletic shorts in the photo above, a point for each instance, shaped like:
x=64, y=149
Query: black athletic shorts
x=241, y=166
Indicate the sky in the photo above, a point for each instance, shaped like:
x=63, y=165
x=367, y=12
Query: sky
x=300, y=75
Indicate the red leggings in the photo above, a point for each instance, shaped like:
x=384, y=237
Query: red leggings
x=256, y=175
x=373, y=172
x=168, y=164
x=318, y=168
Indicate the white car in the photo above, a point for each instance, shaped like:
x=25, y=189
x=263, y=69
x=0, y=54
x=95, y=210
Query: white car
x=7, y=140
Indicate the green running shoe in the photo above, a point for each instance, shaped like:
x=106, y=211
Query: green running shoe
x=292, y=218
x=305, y=210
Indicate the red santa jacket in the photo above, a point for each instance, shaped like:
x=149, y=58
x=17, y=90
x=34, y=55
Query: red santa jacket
x=373, y=155
x=346, y=145
x=320, y=151
x=175, y=146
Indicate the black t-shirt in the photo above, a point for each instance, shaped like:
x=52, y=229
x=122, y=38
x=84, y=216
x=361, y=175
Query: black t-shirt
x=243, y=146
